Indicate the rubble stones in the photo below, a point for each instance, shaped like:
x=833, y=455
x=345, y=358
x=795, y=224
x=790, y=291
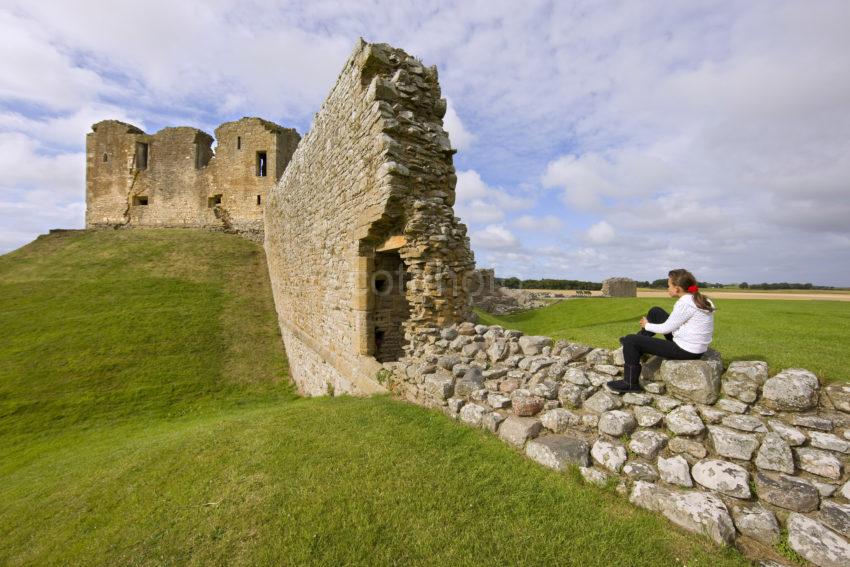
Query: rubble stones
x=829, y=441
x=610, y=455
x=732, y=406
x=819, y=462
x=787, y=492
x=687, y=446
x=647, y=444
x=691, y=380
x=532, y=345
x=617, y=423
x=791, y=435
x=558, y=451
x=559, y=420
x=732, y=444
x=640, y=471
x=745, y=423
x=816, y=543
x=472, y=414
x=836, y=516
x=647, y=416
x=775, y=454
x=602, y=401
x=675, y=470
x=813, y=422
x=743, y=379
x=526, y=405
x=839, y=395
x=794, y=389
x=439, y=385
x=757, y=522
x=517, y=430
x=684, y=420
x=724, y=477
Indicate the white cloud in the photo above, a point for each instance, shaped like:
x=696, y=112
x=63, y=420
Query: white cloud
x=547, y=223
x=479, y=203
x=494, y=237
x=600, y=233
x=460, y=137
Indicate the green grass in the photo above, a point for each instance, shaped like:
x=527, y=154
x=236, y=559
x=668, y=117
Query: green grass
x=145, y=420
x=786, y=334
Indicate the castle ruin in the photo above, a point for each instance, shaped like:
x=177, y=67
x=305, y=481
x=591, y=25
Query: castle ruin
x=366, y=257
x=174, y=179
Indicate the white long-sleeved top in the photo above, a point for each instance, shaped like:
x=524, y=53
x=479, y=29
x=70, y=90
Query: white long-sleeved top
x=691, y=326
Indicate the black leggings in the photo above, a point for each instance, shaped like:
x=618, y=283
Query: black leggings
x=645, y=342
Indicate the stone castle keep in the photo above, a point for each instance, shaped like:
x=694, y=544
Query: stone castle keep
x=372, y=276
x=173, y=179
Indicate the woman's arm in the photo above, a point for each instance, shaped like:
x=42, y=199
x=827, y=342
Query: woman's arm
x=681, y=313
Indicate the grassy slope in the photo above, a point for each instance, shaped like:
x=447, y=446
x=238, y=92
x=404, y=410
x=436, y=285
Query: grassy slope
x=144, y=420
x=800, y=334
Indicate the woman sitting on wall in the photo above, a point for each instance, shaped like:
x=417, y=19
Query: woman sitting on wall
x=687, y=331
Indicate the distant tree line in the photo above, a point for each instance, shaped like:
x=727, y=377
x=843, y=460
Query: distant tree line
x=549, y=283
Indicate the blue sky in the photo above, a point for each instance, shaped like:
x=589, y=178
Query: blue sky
x=595, y=138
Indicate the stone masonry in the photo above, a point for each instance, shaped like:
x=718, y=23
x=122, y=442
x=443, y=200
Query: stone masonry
x=365, y=253
x=732, y=453
x=619, y=287
x=173, y=178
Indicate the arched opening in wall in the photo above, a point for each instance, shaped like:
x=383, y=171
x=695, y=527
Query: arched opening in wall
x=390, y=310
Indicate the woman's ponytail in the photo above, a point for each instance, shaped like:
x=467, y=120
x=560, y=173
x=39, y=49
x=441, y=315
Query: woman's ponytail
x=686, y=280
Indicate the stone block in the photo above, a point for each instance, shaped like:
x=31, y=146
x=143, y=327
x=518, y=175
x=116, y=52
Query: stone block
x=559, y=451
x=692, y=380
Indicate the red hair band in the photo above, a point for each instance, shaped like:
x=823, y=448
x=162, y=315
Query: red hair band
x=693, y=289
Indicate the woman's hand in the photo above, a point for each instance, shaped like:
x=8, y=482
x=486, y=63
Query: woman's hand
x=643, y=322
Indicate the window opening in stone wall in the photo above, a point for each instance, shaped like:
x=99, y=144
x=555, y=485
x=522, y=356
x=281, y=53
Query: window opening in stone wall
x=140, y=200
x=214, y=200
x=105, y=158
x=391, y=310
x=141, y=155
x=261, y=164
x=238, y=142
x=259, y=199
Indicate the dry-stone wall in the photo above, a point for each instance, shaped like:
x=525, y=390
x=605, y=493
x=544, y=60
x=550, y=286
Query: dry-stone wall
x=365, y=253
x=619, y=287
x=173, y=179
x=727, y=452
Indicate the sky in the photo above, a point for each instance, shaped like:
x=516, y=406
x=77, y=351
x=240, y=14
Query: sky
x=595, y=138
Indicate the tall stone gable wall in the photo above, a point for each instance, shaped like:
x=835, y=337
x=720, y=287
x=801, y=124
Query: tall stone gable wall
x=180, y=184
x=371, y=186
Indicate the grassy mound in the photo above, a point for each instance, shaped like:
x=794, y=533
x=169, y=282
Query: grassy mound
x=786, y=334
x=145, y=419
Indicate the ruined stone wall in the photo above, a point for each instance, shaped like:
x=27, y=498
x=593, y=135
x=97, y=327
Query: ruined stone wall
x=370, y=186
x=731, y=453
x=182, y=182
x=619, y=287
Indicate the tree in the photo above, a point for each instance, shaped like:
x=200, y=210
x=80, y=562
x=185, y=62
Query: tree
x=744, y=285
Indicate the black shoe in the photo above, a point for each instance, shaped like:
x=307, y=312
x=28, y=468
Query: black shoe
x=630, y=381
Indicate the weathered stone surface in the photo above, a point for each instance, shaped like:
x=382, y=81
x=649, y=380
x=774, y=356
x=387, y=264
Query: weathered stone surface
x=732, y=444
x=819, y=462
x=610, y=455
x=647, y=416
x=547, y=390
x=576, y=376
x=472, y=380
x=571, y=395
x=526, y=405
x=732, y=406
x=839, y=395
x=745, y=423
x=532, y=345
x=829, y=441
x=491, y=421
x=654, y=387
x=598, y=356
x=813, y=422
x=817, y=543
x=743, y=379
x=694, y=511
x=602, y=401
x=454, y=404
x=636, y=399
x=559, y=451
x=666, y=403
x=711, y=415
x=845, y=490
x=684, y=420
x=647, y=444
x=617, y=423
x=724, y=477
x=640, y=471
x=836, y=516
x=675, y=470
x=775, y=454
x=440, y=386
x=517, y=430
x=756, y=522
x=692, y=380
x=791, y=435
x=794, y=389
x=787, y=492
x=594, y=476
x=687, y=446
x=559, y=420
x=472, y=414
x=498, y=401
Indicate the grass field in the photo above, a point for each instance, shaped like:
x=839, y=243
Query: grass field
x=786, y=334
x=146, y=419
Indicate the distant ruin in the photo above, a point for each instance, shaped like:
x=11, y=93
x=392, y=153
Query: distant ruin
x=174, y=179
x=365, y=255
x=619, y=287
